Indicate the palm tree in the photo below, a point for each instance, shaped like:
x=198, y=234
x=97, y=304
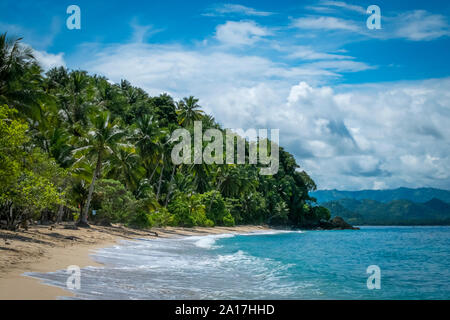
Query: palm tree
x=101, y=141
x=20, y=77
x=147, y=136
x=189, y=111
x=124, y=166
x=165, y=149
x=201, y=177
x=76, y=101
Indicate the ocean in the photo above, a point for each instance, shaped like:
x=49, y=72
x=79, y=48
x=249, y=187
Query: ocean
x=414, y=263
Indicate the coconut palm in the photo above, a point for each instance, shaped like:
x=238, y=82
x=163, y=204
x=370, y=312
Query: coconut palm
x=77, y=100
x=124, y=165
x=20, y=77
x=147, y=136
x=189, y=111
x=104, y=137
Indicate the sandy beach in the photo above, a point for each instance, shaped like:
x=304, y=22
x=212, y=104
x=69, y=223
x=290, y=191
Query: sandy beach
x=52, y=248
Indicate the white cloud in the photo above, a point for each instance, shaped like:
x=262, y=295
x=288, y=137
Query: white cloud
x=325, y=23
x=420, y=25
x=229, y=8
x=180, y=71
x=48, y=60
x=308, y=53
x=341, y=65
x=344, y=5
x=240, y=33
x=354, y=137
x=416, y=25
x=142, y=32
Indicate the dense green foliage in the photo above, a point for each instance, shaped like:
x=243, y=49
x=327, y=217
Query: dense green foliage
x=397, y=212
x=72, y=143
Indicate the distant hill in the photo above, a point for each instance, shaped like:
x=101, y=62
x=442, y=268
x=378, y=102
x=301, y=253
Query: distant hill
x=420, y=195
x=396, y=212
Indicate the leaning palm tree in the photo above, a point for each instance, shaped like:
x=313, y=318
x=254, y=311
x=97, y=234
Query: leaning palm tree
x=189, y=111
x=101, y=141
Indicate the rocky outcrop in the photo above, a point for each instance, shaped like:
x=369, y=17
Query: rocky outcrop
x=337, y=223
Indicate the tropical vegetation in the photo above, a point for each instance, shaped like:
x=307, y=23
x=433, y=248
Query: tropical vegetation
x=76, y=147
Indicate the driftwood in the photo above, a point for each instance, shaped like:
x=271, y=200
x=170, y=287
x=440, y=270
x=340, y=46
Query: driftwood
x=154, y=233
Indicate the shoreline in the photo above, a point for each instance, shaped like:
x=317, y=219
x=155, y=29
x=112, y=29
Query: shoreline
x=50, y=248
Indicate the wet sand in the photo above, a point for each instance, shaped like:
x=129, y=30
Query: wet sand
x=52, y=248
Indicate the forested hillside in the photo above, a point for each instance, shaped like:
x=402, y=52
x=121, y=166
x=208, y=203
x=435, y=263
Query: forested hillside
x=397, y=212
x=415, y=195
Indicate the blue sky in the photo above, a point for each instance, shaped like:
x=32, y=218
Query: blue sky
x=358, y=108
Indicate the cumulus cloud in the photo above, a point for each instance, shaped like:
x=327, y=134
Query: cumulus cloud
x=358, y=136
x=381, y=139
x=240, y=33
x=48, y=60
x=180, y=71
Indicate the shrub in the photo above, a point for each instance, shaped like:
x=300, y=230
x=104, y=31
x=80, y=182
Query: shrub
x=113, y=202
x=161, y=218
x=141, y=219
x=228, y=220
x=189, y=211
x=217, y=209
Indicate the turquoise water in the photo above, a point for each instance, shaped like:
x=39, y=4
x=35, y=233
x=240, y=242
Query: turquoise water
x=414, y=263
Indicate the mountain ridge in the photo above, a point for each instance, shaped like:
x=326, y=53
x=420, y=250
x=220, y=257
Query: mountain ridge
x=396, y=212
x=418, y=195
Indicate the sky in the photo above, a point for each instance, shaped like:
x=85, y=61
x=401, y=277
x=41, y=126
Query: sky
x=359, y=108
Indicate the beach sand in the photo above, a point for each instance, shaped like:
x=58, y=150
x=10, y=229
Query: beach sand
x=52, y=248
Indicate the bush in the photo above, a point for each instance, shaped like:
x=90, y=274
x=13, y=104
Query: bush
x=28, y=180
x=161, y=218
x=228, y=220
x=113, y=202
x=189, y=211
x=217, y=209
x=141, y=220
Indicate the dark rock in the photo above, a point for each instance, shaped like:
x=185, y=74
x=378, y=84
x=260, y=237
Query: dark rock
x=337, y=223
x=326, y=225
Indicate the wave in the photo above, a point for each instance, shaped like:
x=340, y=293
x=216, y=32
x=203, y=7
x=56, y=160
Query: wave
x=208, y=241
x=270, y=232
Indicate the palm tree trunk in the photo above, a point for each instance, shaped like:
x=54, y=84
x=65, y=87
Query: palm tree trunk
x=60, y=213
x=170, y=187
x=153, y=173
x=160, y=179
x=10, y=218
x=84, y=216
